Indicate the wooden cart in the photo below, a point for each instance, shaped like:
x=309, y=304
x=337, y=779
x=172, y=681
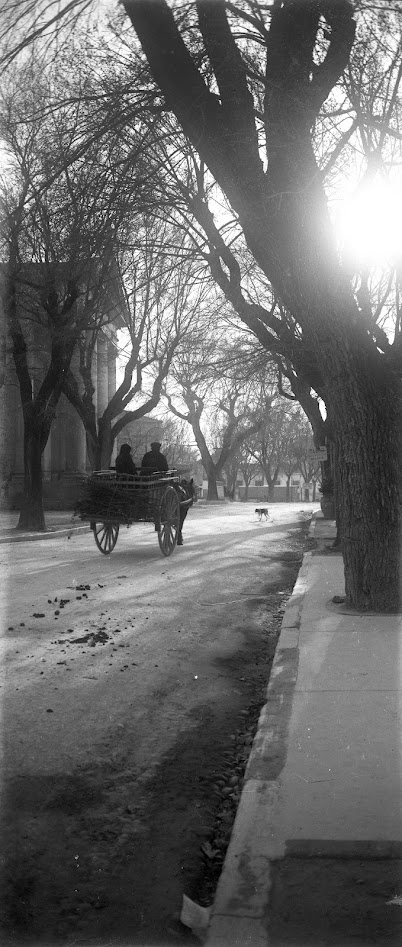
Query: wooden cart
x=108, y=500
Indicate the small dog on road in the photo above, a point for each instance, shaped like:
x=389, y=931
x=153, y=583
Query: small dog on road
x=262, y=511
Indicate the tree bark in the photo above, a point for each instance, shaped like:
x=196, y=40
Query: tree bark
x=271, y=490
x=367, y=433
x=286, y=224
x=212, y=484
x=32, y=515
x=94, y=452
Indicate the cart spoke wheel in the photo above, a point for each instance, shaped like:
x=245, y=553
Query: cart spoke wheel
x=169, y=521
x=106, y=536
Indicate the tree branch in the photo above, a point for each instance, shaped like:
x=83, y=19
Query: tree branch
x=339, y=16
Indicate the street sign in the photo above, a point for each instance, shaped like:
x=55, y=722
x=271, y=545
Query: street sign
x=317, y=454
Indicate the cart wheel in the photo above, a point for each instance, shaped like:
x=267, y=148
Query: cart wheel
x=169, y=521
x=105, y=535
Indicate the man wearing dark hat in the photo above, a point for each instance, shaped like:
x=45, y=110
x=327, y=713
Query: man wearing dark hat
x=154, y=460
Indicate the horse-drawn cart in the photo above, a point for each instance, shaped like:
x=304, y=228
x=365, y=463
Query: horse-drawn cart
x=108, y=500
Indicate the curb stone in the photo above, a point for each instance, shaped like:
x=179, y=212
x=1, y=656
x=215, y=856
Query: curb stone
x=51, y=533
x=243, y=892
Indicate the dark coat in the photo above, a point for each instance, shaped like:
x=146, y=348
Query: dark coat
x=125, y=464
x=155, y=460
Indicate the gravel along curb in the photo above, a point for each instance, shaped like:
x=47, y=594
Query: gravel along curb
x=312, y=527
x=50, y=534
x=243, y=890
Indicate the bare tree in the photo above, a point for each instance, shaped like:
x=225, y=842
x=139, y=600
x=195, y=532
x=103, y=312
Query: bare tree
x=252, y=87
x=248, y=467
x=179, y=447
x=59, y=239
x=283, y=212
x=206, y=390
x=238, y=425
x=162, y=300
x=308, y=466
x=272, y=446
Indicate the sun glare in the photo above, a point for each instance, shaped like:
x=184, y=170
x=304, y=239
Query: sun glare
x=369, y=225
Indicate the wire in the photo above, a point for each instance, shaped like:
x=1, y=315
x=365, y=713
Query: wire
x=230, y=602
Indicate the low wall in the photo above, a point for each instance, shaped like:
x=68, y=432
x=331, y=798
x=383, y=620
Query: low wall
x=59, y=493
x=261, y=493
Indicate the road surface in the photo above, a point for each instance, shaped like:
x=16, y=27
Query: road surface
x=124, y=679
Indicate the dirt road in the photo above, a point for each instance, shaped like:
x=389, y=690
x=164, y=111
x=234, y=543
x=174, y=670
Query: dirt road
x=130, y=694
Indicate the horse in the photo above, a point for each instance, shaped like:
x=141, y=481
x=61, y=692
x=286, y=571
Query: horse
x=187, y=494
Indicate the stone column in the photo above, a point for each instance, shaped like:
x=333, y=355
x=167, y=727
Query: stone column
x=81, y=446
x=111, y=361
x=19, y=447
x=63, y=435
x=80, y=440
x=11, y=442
x=47, y=457
x=9, y=406
x=102, y=374
x=94, y=376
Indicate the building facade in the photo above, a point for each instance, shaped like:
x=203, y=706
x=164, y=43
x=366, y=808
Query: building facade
x=298, y=490
x=65, y=454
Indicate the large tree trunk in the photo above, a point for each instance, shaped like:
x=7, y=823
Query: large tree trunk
x=367, y=432
x=231, y=484
x=286, y=224
x=32, y=515
x=211, y=469
x=100, y=448
x=94, y=452
x=106, y=445
x=270, y=483
x=212, y=484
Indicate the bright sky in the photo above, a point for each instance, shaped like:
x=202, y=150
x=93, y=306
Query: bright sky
x=369, y=224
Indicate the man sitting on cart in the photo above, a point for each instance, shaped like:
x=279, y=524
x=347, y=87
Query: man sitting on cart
x=124, y=462
x=154, y=461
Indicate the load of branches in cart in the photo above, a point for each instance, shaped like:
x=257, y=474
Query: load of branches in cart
x=105, y=495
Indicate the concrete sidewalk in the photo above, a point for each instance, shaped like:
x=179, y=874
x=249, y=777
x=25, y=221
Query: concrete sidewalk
x=59, y=522
x=316, y=852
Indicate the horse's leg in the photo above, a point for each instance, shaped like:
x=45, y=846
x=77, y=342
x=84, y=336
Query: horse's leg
x=183, y=514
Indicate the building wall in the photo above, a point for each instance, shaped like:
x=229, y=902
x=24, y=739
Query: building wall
x=258, y=490
x=261, y=493
x=65, y=455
